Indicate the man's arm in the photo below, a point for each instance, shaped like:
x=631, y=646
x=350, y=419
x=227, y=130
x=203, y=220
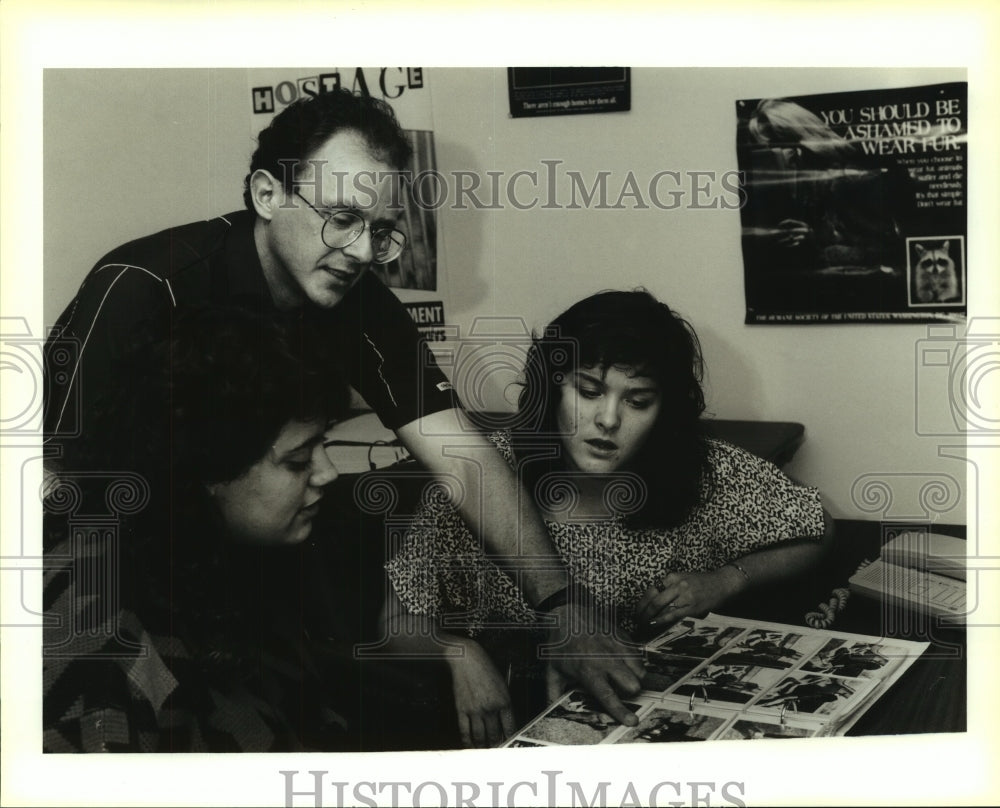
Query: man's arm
x=498, y=511
x=490, y=502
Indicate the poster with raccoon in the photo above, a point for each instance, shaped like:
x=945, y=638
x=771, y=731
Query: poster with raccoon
x=855, y=205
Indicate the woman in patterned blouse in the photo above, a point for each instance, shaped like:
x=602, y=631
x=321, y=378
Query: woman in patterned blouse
x=654, y=520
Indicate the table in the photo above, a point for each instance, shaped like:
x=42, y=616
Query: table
x=931, y=695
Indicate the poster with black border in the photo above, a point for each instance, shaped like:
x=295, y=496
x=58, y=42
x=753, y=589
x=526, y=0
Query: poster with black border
x=855, y=206
x=538, y=91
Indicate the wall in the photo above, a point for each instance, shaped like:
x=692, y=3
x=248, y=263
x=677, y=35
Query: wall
x=128, y=152
x=853, y=386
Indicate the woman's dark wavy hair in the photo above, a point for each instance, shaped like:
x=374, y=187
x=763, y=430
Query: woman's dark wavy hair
x=203, y=406
x=628, y=329
x=307, y=123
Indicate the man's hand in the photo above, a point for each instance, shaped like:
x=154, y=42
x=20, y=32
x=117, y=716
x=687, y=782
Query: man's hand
x=584, y=650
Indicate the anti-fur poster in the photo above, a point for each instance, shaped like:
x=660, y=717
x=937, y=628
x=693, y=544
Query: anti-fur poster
x=855, y=206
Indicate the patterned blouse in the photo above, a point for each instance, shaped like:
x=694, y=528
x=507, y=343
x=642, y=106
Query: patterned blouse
x=441, y=569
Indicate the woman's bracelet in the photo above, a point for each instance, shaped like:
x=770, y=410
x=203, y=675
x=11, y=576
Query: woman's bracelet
x=739, y=569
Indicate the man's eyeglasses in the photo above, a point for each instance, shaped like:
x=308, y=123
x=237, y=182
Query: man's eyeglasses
x=342, y=228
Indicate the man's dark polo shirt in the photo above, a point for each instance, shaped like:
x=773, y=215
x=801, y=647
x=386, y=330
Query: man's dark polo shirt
x=136, y=290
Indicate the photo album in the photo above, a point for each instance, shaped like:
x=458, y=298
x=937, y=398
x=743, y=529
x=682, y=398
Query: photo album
x=724, y=678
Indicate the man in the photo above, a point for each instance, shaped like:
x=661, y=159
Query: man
x=321, y=208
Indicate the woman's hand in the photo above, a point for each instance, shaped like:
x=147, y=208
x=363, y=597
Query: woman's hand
x=485, y=717
x=682, y=594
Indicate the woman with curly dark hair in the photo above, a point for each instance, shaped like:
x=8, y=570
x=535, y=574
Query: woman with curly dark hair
x=181, y=621
x=654, y=520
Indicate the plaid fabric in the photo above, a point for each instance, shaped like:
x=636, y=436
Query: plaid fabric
x=111, y=684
